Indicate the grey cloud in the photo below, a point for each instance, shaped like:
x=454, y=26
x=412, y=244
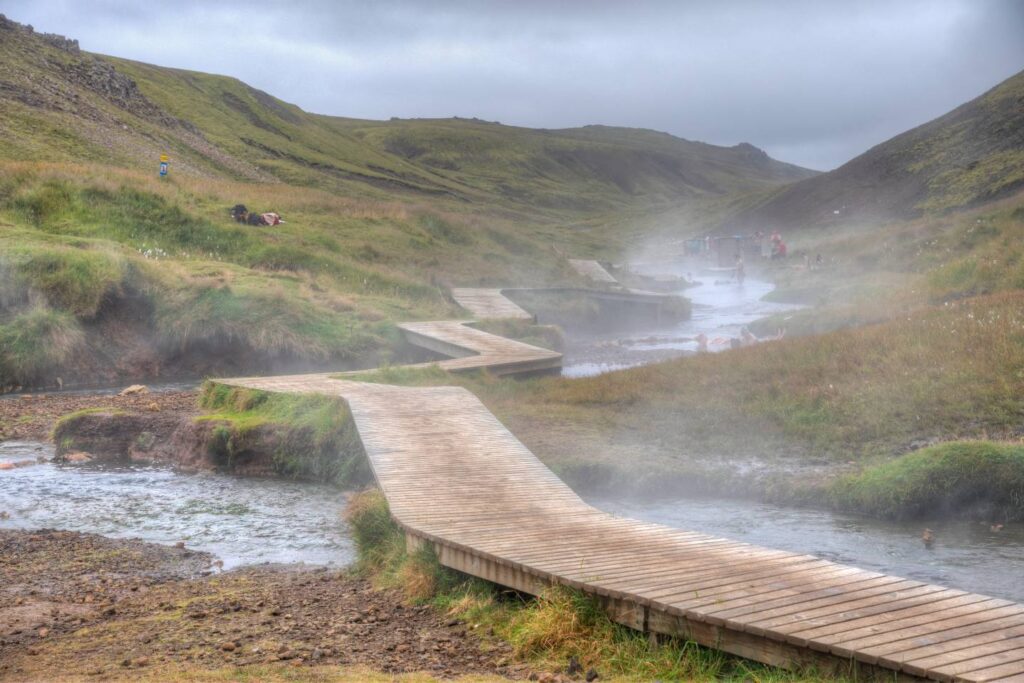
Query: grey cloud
x=813, y=83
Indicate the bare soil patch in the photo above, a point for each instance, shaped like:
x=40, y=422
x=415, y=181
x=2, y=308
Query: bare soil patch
x=74, y=605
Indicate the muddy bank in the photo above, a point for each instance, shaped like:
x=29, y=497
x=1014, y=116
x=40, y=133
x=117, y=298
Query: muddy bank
x=163, y=429
x=83, y=605
x=31, y=417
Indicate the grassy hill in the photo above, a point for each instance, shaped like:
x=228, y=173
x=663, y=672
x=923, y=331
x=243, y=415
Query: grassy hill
x=972, y=155
x=73, y=105
x=107, y=271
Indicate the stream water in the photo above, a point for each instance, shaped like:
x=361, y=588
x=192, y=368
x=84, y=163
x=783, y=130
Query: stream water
x=245, y=521
x=241, y=521
x=721, y=307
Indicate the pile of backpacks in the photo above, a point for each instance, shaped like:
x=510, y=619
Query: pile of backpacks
x=243, y=215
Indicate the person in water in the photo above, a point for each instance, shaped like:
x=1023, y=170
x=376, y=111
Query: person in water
x=741, y=272
x=702, y=343
x=747, y=337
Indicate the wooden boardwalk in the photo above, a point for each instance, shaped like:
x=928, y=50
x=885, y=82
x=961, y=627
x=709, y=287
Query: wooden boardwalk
x=488, y=304
x=592, y=270
x=473, y=349
x=456, y=477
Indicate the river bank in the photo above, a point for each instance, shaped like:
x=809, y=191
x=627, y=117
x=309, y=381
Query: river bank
x=31, y=417
x=83, y=606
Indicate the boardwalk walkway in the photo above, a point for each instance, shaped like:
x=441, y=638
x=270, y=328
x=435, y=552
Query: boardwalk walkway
x=592, y=270
x=473, y=349
x=456, y=477
x=488, y=303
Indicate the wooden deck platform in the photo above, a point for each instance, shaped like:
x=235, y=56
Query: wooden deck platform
x=456, y=477
x=592, y=270
x=488, y=304
x=473, y=349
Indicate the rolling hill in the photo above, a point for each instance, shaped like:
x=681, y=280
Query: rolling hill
x=64, y=104
x=972, y=155
x=108, y=271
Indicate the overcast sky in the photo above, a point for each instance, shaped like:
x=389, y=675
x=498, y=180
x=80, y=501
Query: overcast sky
x=812, y=82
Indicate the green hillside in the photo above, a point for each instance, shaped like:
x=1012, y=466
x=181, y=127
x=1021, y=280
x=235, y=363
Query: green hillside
x=972, y=155
x=110, y=272
x=70, y=105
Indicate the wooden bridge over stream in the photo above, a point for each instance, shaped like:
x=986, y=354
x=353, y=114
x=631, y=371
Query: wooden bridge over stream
x=455, y=477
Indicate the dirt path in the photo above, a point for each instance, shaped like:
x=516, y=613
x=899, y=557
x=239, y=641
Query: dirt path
x=74, y=605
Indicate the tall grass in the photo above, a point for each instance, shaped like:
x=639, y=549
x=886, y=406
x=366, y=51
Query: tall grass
x=74, y=279
x=34, y=345
x=945, y=370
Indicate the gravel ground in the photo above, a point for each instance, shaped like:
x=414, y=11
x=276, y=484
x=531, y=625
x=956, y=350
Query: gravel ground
x=74, y=605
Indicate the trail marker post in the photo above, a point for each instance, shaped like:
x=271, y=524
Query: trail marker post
x=163, y=165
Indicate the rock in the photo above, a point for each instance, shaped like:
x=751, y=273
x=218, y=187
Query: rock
x=592, y=675
x=141, y=661
x=77, y=456
x=228, y=646
x=43, y=632
x=574, y=667
x=6, y=465
x=179, y=544
x=134, y=389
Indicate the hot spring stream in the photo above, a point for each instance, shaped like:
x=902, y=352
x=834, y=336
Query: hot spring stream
x=246, y=521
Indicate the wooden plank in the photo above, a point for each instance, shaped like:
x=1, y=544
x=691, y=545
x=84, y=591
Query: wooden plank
x=456, y=478
x=968, y=659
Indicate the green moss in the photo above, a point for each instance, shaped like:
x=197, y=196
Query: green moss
x=969, y=478
x=311, y=437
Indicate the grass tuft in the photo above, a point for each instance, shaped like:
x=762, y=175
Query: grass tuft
x=34, y=343
x=310, y=437
x=979, y=479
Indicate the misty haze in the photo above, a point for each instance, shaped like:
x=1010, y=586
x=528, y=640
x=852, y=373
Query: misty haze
x=548, y=341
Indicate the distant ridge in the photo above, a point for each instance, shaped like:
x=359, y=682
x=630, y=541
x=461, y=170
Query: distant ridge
x=64, y=104
x=969, y=156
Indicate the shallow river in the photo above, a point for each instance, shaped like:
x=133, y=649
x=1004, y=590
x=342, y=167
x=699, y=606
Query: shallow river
x=242, y=521
x=246, y=521
x=721, y=307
